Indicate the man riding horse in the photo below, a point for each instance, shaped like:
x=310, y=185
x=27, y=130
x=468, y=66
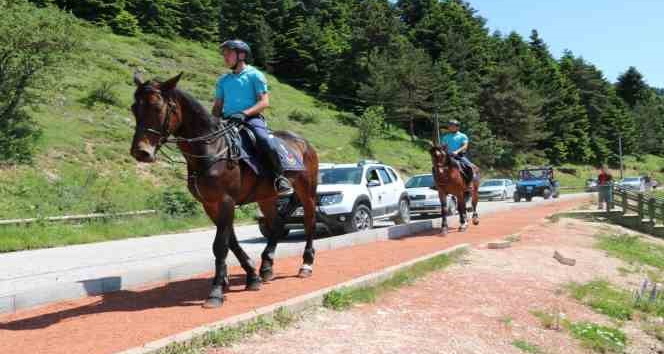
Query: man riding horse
x=242, y=96
x=457, y=145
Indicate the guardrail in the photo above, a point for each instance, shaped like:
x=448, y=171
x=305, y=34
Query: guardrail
x=648, y=208
x=72, y=218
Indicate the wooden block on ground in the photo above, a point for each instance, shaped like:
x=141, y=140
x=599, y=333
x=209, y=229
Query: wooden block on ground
x=564, y=260
x=499, y=244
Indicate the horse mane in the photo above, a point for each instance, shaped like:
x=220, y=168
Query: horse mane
x=442, y=149
x=196, y=107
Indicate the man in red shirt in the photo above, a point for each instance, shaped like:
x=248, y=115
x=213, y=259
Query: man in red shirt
x=604, y=185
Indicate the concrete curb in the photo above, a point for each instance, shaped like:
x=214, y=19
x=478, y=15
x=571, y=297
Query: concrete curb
x=10, y=303
x=294, y=305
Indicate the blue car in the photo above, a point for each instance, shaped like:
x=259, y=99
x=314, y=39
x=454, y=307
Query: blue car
x=536, y=182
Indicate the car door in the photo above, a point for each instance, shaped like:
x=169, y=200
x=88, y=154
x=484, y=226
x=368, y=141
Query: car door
x=391, y=195
x=376, y=192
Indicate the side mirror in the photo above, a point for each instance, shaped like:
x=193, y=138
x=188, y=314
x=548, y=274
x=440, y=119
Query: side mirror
x=434, y=187
x=373, y=184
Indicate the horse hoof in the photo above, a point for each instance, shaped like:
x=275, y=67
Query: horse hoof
x=463, y=228
x=305, y=273
x=253, y=283
x=213, y=302
x=267, y=275
x=444, y=231
x=476, y=221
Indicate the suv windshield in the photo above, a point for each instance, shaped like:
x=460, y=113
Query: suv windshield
x=492, y=184
x=632, y=179
x=534, y=174
x=420, y=181
x=348, y=175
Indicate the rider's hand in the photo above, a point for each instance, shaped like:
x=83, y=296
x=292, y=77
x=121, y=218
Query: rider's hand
x=237, y=118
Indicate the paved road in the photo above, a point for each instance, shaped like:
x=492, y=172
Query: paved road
x=24, y=271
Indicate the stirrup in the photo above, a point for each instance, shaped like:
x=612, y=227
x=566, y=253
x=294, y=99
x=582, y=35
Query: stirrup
x=283, y=189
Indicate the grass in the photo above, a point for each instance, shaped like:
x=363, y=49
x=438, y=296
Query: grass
x=343, y=299
x=605, y=299
x=601, y=339
x=226, y=336
x=547, y=320
x=44, y=235
x=632, y=250
x=527, y=347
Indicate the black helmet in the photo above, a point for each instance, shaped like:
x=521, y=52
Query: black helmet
x=237, y=45
x=454, y=122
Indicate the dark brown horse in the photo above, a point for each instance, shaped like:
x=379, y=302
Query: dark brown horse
x=218, y=181
x=449, y=180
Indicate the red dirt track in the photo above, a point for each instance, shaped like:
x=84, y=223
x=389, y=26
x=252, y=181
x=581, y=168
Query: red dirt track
x=118, y=321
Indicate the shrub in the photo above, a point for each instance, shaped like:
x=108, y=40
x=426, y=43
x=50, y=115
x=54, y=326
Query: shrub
x=176, y=203
x=303, y=117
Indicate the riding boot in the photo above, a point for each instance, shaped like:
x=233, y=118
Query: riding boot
x=281, y=184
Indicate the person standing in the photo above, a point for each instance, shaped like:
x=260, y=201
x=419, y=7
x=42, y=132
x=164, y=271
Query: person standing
x=604, y=187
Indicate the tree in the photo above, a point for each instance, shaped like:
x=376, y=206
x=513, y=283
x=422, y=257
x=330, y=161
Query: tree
x=33, y=40
x=200, y=20
x=631, y=87
x=369, y=126
x=513, y=113
x=161, y=17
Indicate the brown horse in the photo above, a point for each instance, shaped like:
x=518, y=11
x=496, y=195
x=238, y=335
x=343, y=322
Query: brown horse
x=449, y=180
x=217, y=180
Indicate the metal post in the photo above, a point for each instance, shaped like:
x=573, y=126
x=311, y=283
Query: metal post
x=621, y=156
x=436, y=130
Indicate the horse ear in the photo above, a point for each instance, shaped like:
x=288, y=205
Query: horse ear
x=171, y=83
x=138, y=79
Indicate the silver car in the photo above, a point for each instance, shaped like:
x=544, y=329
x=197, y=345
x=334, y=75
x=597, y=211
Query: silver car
x=423, y=199
x=634, y=183
x=496, y=189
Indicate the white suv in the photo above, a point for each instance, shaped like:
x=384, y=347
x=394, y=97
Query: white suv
x=352, y=196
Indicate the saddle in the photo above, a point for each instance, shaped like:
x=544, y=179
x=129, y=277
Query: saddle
x=243, y=147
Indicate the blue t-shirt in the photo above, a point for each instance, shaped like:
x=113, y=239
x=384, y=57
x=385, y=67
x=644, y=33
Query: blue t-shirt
x=240, y=91
x=454, y=141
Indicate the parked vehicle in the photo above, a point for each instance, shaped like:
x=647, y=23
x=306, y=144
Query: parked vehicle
x=350, y=198
x=493, y=189
x=591, y=185
x=536, y=182
x=638, y=184
x=423, y=199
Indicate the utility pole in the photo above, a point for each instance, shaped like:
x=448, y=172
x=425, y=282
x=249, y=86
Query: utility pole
x=436, y=130
x=621, y=155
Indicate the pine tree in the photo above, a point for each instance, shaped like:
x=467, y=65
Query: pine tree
x=631, y=87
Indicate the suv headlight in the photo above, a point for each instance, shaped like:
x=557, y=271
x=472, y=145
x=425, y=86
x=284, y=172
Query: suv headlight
x=329, y=199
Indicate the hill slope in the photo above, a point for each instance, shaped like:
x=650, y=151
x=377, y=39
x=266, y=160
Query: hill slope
x=82, y=164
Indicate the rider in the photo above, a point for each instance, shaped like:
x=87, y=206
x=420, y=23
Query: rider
x=457, y=145
x=241, y=96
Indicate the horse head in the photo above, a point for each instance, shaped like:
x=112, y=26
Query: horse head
x=156, y=116
x=439, y=155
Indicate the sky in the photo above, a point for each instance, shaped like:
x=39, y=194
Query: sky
x=611, y=34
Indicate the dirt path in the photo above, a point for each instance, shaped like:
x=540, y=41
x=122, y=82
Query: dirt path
x=118, y=321
x=482, y=305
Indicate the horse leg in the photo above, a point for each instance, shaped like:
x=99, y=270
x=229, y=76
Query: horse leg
x=442, y=195
x=220, y=213
x=306, y=192
x=476, y=217
x=253, y=280
x=269, y=209
x=461, y=206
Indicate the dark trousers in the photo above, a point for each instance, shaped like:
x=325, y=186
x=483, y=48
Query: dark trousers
x=266, y=142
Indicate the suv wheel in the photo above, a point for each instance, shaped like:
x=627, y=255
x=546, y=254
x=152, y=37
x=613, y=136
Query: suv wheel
x=546, y=193
x=403, y=216
x=360, y=219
